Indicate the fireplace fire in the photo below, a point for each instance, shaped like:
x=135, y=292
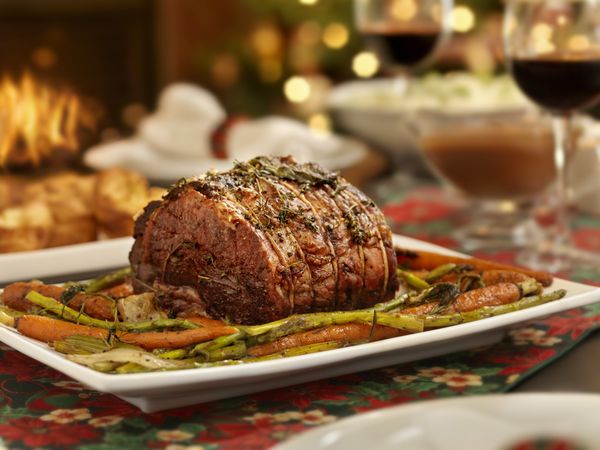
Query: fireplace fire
x=39, y=122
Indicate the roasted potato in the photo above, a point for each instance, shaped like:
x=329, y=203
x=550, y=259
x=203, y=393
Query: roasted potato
x=26, y=227
x=120, y=194
x=68, y=208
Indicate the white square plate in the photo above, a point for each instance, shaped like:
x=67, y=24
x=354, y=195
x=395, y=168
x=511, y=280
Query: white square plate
x=162, y=390
x=69, y=259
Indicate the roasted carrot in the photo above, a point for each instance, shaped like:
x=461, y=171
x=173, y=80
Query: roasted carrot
x=497, y=294
x=96, y=306
x=427, y=260
x=347, y=333
x=14, y=294
x=174, y=339
x=418, y=310
x=206, y=322
x=490, y=277
x=46, y=329
x=493, y=295
x=120, y=290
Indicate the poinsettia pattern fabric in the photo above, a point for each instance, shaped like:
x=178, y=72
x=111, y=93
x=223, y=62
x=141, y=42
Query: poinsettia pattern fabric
x=42, y=409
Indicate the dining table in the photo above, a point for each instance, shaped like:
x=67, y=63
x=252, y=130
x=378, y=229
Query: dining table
x=41, y=408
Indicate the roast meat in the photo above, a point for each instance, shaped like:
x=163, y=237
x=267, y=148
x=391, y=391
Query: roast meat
x=264, y=240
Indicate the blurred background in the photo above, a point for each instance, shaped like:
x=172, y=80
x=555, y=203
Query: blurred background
x=256, y=56
x=171, y=88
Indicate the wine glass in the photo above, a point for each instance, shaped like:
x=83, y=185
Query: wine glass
x=552, y=48
x=403, y=32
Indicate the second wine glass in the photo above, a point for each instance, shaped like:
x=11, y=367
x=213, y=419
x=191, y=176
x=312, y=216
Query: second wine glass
x=404, y=33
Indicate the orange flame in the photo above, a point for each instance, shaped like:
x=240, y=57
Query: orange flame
x=36, y=120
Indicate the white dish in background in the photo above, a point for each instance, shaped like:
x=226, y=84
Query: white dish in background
x=491, y=422
x=65, y=260
x=163, y=390
x=137, y=155
x=383, y=111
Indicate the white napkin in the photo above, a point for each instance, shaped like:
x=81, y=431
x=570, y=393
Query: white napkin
x=278, y=136
x=184, y=122
x=175, y=141
x=187, y=116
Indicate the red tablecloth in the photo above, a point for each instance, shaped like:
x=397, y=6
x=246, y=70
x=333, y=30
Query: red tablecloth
x=40, y=408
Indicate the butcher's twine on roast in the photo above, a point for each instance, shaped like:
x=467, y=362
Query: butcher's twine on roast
x=267, y=239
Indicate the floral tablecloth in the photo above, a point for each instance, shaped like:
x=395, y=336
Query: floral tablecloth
x=42, y=409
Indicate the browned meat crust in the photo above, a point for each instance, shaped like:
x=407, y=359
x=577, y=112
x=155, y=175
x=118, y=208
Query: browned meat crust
x=267, y=239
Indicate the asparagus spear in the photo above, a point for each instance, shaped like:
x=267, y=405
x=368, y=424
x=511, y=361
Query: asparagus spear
x=131, y=367
x=81, y=345
x=297, y=351
x=440, y=271
x=107, y=280
x=217, y=343
x=234, y=351
x=303, y=322
x=440, y=321
x=178, y=353
x=413, y=280
x=71, y=315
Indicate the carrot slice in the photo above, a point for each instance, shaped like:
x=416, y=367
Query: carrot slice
x=206, y=321
x=14, y=294
x=347, y=333
x=494, y=295
x=428, y=260
x=46, y=329
x=174, y=339
x=490, y=277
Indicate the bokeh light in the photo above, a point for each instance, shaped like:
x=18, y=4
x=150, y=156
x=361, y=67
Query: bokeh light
x=266, y=40
x=403, y=10
x=463, y=19
x=365, y=64
x=579, y=43
x=541, y=37
x=320, y=123
x=336, y=35
x=296, y=89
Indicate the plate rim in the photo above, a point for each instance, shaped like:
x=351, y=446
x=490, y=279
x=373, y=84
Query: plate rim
x=418, y=405
x=25, y=265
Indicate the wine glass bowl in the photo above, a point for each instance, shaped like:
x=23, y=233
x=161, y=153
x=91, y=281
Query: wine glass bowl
x=403, y=32
x=553, y=51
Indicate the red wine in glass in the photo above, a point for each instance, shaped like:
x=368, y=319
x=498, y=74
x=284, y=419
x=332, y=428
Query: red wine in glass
x=559, y=84
x=403, y=46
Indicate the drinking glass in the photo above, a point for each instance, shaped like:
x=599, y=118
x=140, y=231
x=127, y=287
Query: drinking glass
x=404, y=33
x=552, y=48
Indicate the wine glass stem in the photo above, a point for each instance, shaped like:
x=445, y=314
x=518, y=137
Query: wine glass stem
x=563, y=147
